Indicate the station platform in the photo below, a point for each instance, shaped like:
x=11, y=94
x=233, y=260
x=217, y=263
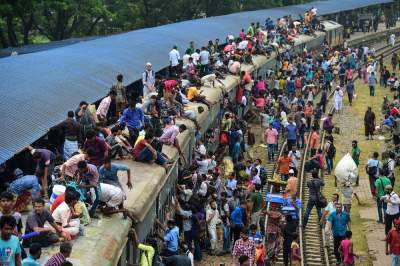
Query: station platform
x=367, y=38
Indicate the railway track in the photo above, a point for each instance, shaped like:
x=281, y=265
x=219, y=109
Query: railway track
x=315, y=249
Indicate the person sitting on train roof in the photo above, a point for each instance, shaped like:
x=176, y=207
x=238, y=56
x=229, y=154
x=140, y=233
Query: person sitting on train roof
x=144, y=152
x=88, y=179
x=194, y=95
x=60, y=258
x=35, y=252
x=109, y=173
x=9, y=244
x=99, y=146
x=133, y=118
x=169, y=136
x=36, y=223
x=171, y=238
x=116, y=150
x=25, y=187
x=112, y=196
x=64, y=215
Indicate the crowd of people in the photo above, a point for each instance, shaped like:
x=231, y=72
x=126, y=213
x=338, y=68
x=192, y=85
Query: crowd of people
x=218, y=205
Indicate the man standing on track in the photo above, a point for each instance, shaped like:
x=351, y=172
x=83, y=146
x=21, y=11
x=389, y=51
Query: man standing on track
x=338, y=99
x=372, y=80
x=369, y=123
x=339, y=223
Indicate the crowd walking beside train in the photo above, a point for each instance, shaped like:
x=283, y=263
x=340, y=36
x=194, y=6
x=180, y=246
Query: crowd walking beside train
x=219, y=205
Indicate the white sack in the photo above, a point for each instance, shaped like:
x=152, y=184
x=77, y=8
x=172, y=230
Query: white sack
x=346, y=170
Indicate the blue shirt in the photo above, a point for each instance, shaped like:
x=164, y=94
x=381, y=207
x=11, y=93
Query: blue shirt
x=133, y=118
x=294, y=214
x=171, y=239
x=276, y=124
x=24, y=183
x=388, y=122
x=8, y=249
x=112, y=174
x=339, y=223
x=30, y=261
x=372, y=80
x=291, y=131
x=350, y=88
x=237, y=216
x=290, y=86
x=255, y=237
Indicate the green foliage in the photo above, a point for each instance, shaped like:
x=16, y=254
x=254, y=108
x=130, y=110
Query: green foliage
x=31, y=21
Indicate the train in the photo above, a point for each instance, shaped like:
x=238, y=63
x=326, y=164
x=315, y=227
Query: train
x=106, y=242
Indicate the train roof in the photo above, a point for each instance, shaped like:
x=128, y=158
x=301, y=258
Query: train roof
x=39, y=88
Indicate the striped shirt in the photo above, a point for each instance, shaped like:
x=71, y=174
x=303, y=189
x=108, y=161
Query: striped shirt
x=56, y=260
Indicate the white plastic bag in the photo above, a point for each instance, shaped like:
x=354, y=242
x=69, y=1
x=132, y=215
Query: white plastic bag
x=346, y=171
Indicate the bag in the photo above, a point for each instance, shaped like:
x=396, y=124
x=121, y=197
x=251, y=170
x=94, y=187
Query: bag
x=223, y=138
x=331, y=151
x=385, y=169
x=372, y=170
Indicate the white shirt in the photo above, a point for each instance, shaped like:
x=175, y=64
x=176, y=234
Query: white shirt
x=296, y=157
x=111, y=195
x=393, y=206
x=203, y=189
x=264, y=120
x=212, y=224
x=231, y=187
x=174, y=57
x=204, y=57
x=104, y=105
x=62, y=214
x=195, y=57
x=243, y=45
x=185, y=60
x=338, y=95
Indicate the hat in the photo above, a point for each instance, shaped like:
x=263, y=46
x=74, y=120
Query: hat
x=33, y=151
x=291, y=171
x=388, y=187
x=18, y=172
x=148, y=64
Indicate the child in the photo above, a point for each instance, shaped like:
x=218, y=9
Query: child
x=254, y=234
x=227, y=235
x=259, y=253
x=9, y=244
x=346, y=250
x=295, y=251
x=7, y=204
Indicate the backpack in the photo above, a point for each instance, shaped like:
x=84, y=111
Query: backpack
x=385, y=169
x=373, y=170
x=331, y=151
x=147, y=74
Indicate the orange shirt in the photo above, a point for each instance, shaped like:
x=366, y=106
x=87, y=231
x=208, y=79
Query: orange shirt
x=314, y=140
x=284, y=163
x=308, y=110
x=291, y=186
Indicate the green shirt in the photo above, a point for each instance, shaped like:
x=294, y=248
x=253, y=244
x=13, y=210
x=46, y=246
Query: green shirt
x=355, y=154
x=257, y=200
x=381, y=183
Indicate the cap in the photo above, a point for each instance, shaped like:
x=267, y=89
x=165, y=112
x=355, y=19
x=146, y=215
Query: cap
x=148, y=64
x=388, y=187
x=33, y=151
x=18, y=172
x=291, y=171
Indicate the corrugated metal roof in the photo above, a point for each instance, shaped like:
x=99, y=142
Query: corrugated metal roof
x=38, y=89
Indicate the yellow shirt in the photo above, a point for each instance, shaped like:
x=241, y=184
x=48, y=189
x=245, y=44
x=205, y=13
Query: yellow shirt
x=146, y=259
x=191, y=93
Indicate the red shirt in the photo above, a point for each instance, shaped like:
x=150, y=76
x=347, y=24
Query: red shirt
x=394, y=111
x=169, y=85
x=138, y=148
x=393, y=239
